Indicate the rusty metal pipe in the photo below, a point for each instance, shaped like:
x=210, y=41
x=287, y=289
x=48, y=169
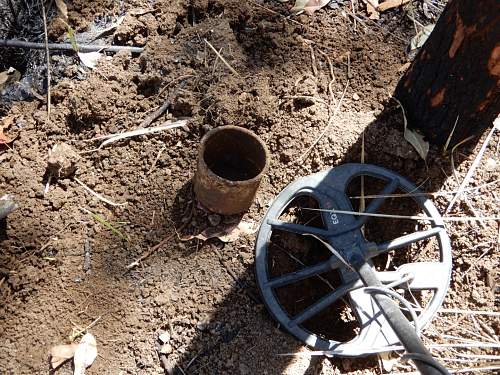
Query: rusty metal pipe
x=231, y=163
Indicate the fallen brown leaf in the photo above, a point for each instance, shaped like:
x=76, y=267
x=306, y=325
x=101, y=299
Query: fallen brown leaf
x=61, y=353
x=6, y=123
x=389, y=4
x=371, y=9
x=308, y=6
x=63, y=9
x=9, y=76
x=228, y=234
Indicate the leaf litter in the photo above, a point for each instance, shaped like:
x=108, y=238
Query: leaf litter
x=84, y=354
x=228, y=234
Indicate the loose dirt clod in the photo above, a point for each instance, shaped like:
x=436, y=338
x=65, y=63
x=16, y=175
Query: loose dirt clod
x=62, y=160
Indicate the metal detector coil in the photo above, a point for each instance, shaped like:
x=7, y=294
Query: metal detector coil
x=343, y=236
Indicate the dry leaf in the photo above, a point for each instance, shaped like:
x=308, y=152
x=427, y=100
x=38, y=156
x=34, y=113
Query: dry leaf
x=388, y=360
x=62, y=8
x=418, y=40
x=371, y=9
x=229, y=234
x=85, y=354
x=61, y=353
x=308, y=6
x=415, y=139
x=89, y=59
x=6, y=122
x=8, y=77
x=110, y=28
x=389, y=4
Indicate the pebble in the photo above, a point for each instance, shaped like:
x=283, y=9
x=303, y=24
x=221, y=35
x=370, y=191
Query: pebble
x=164, y=337
x=355, y=96
x=166, y=349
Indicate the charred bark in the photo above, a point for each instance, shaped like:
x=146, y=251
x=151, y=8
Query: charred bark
x=455, y=76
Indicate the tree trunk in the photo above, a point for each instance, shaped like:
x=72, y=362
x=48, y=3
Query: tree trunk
x=455, y=76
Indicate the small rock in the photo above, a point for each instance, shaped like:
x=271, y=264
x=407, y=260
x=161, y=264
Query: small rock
x=492, y=165
x=62, y=160
x=166, y=349
x=475, y=295
x=214, y=220
x=164, y=337
x=355, y=96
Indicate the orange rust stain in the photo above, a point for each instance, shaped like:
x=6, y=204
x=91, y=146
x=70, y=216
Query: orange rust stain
x=494, y=62
x=486, y=102
x=438, y=98
x=460, y=33
x=458, y=37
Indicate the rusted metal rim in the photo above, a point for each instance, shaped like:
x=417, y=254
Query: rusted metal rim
x=231, y=162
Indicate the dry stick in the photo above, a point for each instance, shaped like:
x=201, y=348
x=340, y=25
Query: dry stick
x=423, y=194
x=496, y=125
x=97, y=195
x=455, y=371
x=139, y=131
x=305, y=97
x=332, y=75
x=397, y=348
x=409, y=217
x=14, y=43
x=452, y=160
x=156, y=159
x=277, y=13
x=221, y=58
x=330, y=122
x=47, y=56
x=153, y=116
x=375, y=24
x=313, y=61
x=155, y=248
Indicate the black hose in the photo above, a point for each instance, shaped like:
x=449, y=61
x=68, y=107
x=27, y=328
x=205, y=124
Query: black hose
x=427, y=359
x=398, y=322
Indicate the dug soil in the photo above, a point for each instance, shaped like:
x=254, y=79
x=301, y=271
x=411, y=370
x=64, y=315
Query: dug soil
x=316, y=89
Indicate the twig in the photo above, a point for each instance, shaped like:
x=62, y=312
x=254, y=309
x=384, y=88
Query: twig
x=423, y=194
x=330, y=122
x=13, y=43
x=305, y=97
x=153, y=116
x=74, y=335
x=375, y=24
x=140, y=131
x=156, y=160
x=221, y=58
x=277, y=13
x=455, y=371
x=97, y=195
x=475, y=163
x=396, y=348
x=47, y=56
x=151, y=251
x=468, y=312
x=313, y=61
x=409, y=217
x=231, y=273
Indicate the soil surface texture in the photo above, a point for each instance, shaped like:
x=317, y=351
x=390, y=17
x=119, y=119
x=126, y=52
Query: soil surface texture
x=315, y=88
